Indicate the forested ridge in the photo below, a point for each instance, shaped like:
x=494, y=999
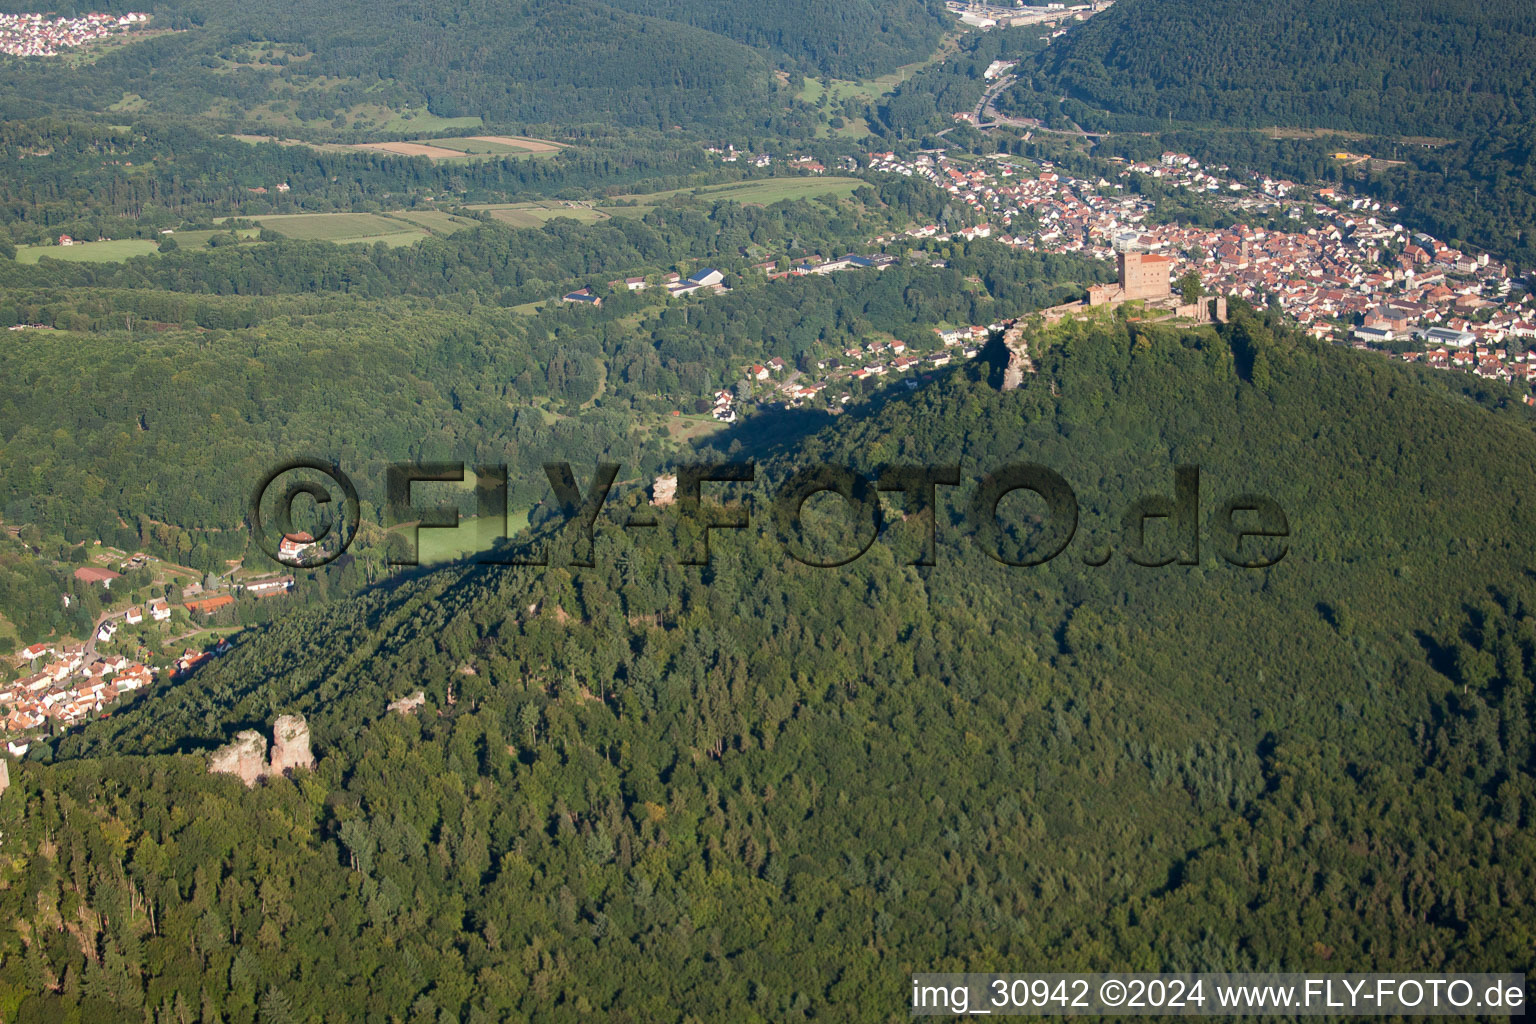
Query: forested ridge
x=641, y=63
x=761, y=791
x=1405, y=67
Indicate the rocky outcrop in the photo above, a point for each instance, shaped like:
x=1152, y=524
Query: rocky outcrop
x=246, y=757
x=1019, y=362
x=405, y=705
x=290, y=745
x=664, y=491
x=5, y=774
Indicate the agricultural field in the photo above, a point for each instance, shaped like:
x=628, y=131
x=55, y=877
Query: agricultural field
x=761, y=191
x=190, y=239
x=344, y=228
x=533, y=215
x=88, y=252
x=466, y=148
x=498, y=145
x=435, y=221
x=463, y=148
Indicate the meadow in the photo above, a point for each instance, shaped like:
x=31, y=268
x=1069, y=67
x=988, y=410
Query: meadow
x=472, y=536
x=88, y=252
x=762, y=191
x=533, y=215
x=345, y=228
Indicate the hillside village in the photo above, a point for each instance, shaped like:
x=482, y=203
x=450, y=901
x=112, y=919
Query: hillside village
x=1357, y=276
x=62, y=682
x=39, y=35
x=1349, y=272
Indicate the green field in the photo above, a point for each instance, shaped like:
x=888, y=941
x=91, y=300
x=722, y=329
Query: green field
x=364, y=118
x=198, y=239
x=435, y=221
x=532, y=215
x=344, y=228
x=842, y=89
x=763, y=190
x=88, y=252
x=471, y=537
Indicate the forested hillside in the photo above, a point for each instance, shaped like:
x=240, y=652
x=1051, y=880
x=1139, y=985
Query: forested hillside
x=207, y=367
x=1403, y=67
x=848, y=39
x=92, y=179
x=325, y=66
x=759, y=791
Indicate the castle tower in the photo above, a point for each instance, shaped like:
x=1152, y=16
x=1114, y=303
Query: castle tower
x=1144, y=275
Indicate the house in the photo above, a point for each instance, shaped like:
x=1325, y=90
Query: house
x=293, y=546
x=759, y=372
x=133, y=616
x=159, y=610
x=209, y=605
x=582, y=296
x=707, y=278
x=66, y=240
x=132, y=678
x=107, y=631
x=94, y=574
x=270, y=586
x=190, y=659
x=635, y=284
x=775, y=364
x=36, y=651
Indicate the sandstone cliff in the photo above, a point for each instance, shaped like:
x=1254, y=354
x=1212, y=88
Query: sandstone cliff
x=405, y=705
x=290, y=744
x=245, y=757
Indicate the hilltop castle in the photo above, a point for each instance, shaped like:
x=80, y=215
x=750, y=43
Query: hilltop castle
x=1145, y=276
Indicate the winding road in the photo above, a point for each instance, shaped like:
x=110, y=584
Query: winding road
x=986, y=111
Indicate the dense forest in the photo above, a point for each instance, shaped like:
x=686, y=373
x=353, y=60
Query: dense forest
x=207, y=367
x=331, y=66
x=760, y=791
x=1402, y=67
